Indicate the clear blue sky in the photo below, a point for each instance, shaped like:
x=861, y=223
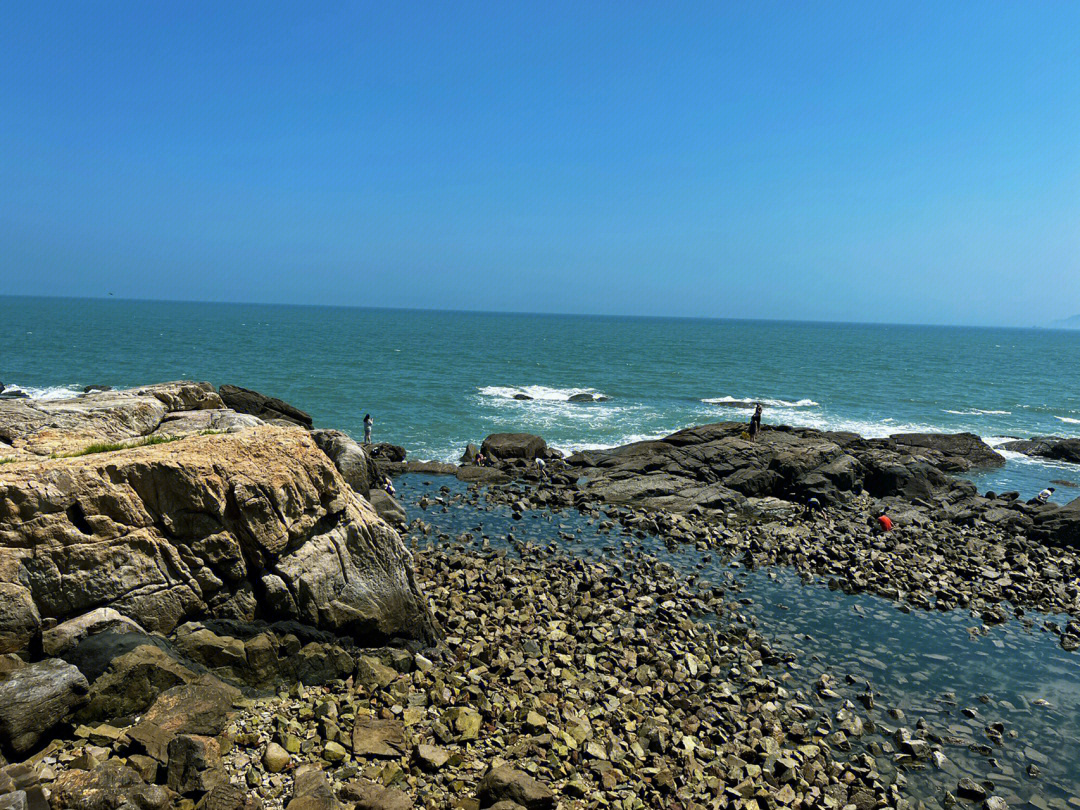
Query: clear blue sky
x=913, y=162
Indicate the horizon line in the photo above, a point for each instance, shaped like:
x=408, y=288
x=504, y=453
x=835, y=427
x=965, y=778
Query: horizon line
x=111, y=297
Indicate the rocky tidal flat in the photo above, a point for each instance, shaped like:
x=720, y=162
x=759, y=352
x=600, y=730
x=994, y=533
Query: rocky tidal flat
x=206, y=604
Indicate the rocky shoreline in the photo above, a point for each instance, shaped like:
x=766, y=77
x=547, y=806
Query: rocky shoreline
x=204, y=606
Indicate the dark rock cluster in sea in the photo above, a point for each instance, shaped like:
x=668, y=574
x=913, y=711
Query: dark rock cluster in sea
x=204, y=603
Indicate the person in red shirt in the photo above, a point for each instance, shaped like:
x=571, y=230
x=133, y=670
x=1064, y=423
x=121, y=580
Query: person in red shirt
x=884, y=523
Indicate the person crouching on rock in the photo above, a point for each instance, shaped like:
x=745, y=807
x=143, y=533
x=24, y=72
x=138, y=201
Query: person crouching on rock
x=755, y=423
x=388, y=485
x=368, y=422
x=1042, y=497
x=884, y=523
x=541, y=467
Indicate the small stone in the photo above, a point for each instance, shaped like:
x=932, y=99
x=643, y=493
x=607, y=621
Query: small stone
x=275, y=758
x=334, y=752
x=504, y=783
x=194, y=764
x=378, y=738
x=429, y=757
x=968, y=788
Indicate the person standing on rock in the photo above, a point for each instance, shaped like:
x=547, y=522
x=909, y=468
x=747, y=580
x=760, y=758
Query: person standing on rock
x=755, y=423
x=541, y=466
x=368, y=422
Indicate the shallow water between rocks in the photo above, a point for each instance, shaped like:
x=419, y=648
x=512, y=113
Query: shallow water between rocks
x=927, y=664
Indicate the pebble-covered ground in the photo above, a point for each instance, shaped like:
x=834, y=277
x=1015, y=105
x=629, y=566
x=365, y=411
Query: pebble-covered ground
x=605, y=667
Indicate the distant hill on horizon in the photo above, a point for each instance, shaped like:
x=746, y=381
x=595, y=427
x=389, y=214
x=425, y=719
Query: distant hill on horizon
x=1067, y=323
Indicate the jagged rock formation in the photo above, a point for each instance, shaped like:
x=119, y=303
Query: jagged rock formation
x=238, y=525
x=1056, y=448
x=715, y=467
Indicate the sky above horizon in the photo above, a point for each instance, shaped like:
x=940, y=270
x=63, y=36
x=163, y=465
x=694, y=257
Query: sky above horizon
x=871, y=162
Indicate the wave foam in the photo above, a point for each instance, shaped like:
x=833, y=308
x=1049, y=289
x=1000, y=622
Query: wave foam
x=540, y=393
x=1068, y=419
x=772, y=403
x=979, y=412
x=47, y=393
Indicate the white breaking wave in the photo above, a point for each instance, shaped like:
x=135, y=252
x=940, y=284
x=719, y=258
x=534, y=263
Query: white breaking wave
x=50, y=392
x=1068, y=419
x=980, y=412
x=772, y=403
x=539, y=393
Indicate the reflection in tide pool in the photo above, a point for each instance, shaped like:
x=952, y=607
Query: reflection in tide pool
x=1003, y=703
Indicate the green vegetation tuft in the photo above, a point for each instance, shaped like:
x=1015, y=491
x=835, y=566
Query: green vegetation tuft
x=109, y=447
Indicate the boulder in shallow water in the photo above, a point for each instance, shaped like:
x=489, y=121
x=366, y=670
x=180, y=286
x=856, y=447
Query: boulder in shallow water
x=505, y=446
x=966, y=446
x=1057, y=448
x=383, y=451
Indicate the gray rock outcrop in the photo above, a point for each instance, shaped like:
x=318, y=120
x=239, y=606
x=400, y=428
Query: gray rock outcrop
x=244, y=400
x=505, y=446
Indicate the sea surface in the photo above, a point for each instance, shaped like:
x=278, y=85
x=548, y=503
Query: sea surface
x=434, y=381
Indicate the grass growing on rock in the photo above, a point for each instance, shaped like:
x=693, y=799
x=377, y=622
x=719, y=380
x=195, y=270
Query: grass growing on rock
x=110, y=447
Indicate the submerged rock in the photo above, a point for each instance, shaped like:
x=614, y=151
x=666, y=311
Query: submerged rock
x=1057, y=448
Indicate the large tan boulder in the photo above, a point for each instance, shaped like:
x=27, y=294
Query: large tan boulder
x=255, y=521
x=46, y=427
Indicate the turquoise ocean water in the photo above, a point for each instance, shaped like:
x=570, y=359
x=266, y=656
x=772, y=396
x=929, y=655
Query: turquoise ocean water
x=436, y=380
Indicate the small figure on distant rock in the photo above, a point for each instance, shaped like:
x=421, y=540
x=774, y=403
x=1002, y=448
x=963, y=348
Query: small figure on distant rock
x=368, y=422
x=541, y=467
x=1042, y=497
x=812, y=505
x=755, y=423
x=884, y=523
x=388, y=485
x=479, y=460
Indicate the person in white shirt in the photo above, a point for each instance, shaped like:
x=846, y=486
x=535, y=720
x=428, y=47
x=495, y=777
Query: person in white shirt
x=1044, y=496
